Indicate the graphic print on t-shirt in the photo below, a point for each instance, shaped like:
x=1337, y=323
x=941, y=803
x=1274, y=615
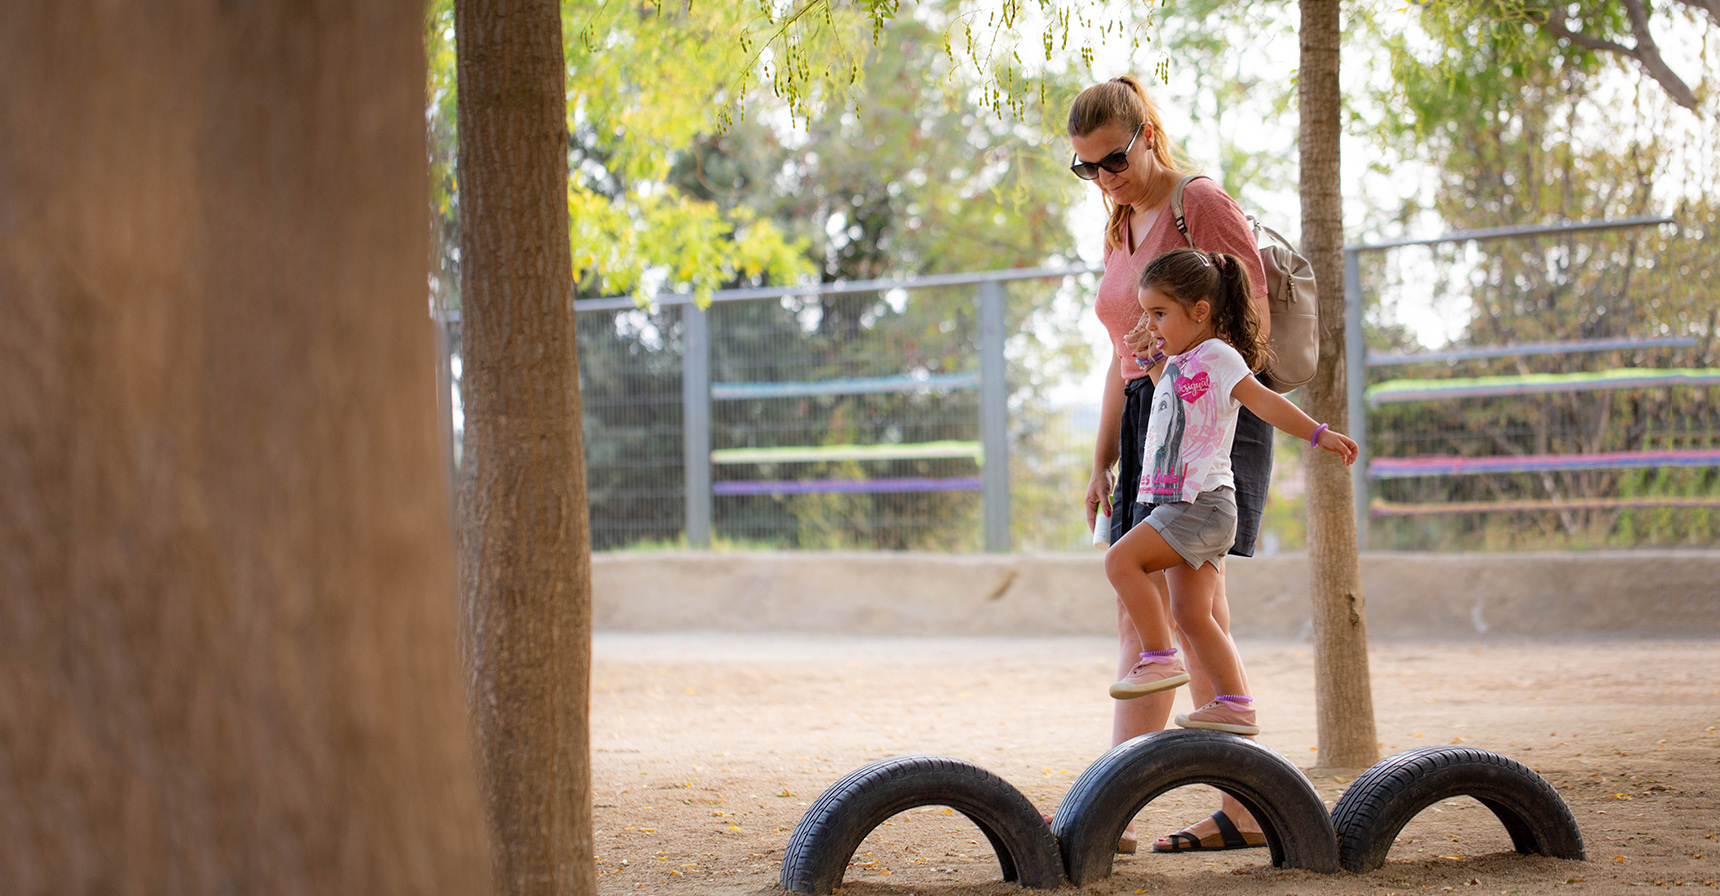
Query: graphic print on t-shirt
x=1162, y=469
x=1193, y=421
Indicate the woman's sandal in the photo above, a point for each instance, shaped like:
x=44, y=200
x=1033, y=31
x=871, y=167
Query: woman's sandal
x=1228, y=838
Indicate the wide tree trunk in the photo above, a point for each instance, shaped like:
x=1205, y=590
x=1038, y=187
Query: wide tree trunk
x=524, y=527
x=1343, y=694
x=228, y=653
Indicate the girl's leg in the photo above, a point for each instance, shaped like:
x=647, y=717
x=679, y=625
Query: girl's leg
x=1142, y=715
x=1129, y=565
x=1201, y=690
x=1191, y=604
x=1228, y=804
x=1193, y=593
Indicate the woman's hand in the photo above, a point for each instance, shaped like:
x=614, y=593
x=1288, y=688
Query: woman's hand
x=1099, y=489
x=1138, y=340
x=1339, y=444
x=1144, y=350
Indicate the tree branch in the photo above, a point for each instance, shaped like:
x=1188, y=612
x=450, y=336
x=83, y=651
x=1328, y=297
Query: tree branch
x=1646, y=52
x=1560, y=28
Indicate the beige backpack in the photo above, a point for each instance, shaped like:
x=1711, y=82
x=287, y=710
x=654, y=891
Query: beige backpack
x=1290, y=296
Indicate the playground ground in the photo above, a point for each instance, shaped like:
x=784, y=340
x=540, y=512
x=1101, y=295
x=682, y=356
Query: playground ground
x=707, y=748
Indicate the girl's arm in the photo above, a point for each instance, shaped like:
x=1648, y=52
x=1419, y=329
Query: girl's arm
x=1100, y=484
x=1278, y=411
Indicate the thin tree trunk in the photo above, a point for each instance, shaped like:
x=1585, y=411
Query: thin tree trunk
x=1343, y=695
x=524, y=527
x=228, y=654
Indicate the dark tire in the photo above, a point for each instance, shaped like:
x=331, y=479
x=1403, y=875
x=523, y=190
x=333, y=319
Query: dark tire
x=830, y=831
x=1135, y=772
x=1376, y=807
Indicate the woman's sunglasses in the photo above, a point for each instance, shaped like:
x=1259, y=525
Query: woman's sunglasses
x=1116, y=163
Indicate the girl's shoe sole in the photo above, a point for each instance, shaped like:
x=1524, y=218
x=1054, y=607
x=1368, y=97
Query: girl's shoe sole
x=1186, y=722
x=1123, y=691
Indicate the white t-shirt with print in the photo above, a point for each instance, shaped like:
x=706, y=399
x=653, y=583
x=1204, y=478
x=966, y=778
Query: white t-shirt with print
x=1192, y=424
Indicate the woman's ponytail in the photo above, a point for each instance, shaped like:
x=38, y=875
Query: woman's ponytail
x=1235, y=318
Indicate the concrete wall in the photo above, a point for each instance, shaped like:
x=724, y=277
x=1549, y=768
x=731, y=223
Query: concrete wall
x=1652, y=593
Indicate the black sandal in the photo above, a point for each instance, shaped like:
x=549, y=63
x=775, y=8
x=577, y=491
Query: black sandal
x=1228, y=835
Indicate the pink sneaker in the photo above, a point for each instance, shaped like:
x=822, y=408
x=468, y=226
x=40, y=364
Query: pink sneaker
x=1230, y=712
x=1158, y=670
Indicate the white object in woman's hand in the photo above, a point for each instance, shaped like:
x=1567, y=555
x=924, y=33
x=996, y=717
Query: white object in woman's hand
x=1102, y=528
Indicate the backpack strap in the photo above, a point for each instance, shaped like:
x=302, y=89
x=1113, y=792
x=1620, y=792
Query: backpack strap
x=1177, y=208
x=1262, y=228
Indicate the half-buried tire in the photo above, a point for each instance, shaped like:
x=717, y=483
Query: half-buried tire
x=1135, y=772
x=830, y=831
x=1376, y=807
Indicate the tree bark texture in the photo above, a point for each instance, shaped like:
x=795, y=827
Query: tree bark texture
x=228, y=647
x=524, y=526
x=1344, y=697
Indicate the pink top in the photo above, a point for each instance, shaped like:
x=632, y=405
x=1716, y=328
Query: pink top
x=1217, y=224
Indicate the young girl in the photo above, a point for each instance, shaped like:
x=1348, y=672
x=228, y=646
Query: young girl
x=1198, y=312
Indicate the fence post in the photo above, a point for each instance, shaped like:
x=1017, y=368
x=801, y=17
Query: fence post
x=696, y=423
x=1355, y=380
x=993, y=417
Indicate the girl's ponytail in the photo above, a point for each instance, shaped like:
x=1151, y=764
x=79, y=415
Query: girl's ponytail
x=1235, y=319
x=1189, y=276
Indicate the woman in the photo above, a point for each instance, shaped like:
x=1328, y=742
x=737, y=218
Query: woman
x=1120, y=146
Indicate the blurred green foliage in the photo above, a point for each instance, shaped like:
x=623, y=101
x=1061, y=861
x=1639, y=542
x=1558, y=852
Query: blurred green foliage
x=1522, y=128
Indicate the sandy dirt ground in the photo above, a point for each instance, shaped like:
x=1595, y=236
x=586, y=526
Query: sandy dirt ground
x=707, y=749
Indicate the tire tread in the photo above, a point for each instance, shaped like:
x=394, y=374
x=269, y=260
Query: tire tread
x=819, y=849
x=1375, y=808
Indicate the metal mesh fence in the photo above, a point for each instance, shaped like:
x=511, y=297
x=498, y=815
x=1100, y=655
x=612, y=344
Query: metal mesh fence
x=1573, y=408
x=630, y=394
x=847, y=420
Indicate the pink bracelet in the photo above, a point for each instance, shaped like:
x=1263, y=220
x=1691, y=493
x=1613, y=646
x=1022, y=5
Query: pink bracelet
x=1314, y=440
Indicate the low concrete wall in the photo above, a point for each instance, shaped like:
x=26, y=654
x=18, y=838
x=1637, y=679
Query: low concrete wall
x=1654, y=593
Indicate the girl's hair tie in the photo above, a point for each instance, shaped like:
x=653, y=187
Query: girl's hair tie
x=1314, y=440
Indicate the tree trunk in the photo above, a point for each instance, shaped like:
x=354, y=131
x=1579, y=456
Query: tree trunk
x=524, y=527
x=1343, y=695
x=228, y=653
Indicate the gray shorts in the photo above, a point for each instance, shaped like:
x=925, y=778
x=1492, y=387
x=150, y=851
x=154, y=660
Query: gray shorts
x=1200, y=531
